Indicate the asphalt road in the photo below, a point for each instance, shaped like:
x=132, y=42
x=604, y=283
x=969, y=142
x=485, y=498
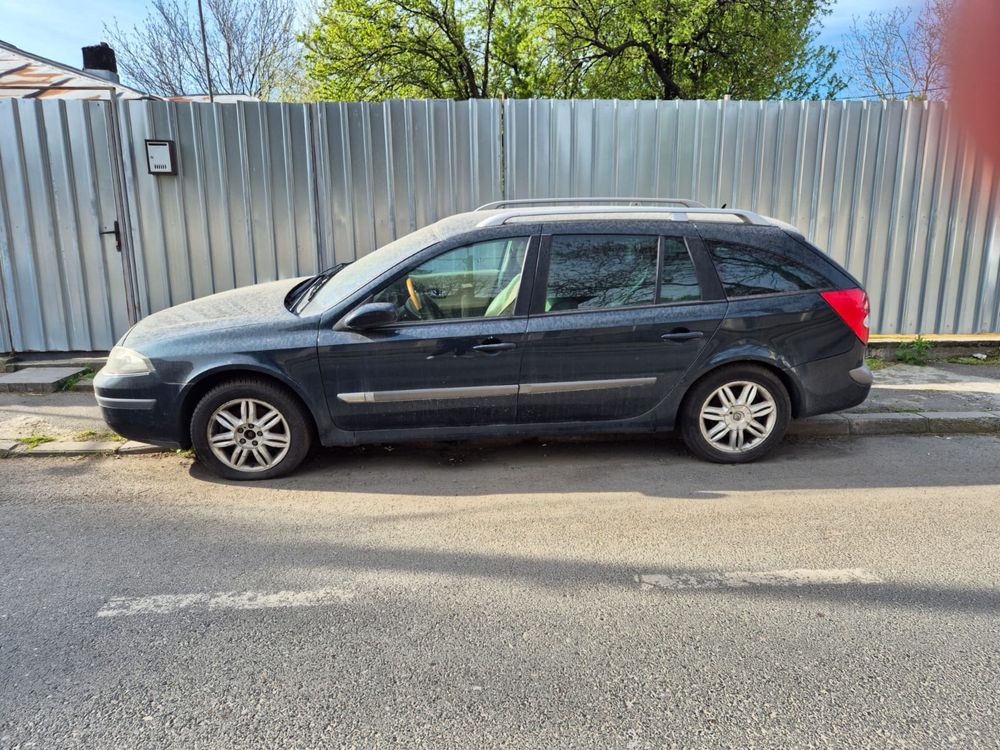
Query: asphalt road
x=614, y=594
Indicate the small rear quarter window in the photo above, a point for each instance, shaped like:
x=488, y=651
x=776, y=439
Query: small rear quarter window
x=747, y=271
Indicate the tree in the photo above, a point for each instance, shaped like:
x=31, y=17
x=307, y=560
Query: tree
x=252, y=48
x=695, y=49
x=893, y=58
x=377, y=49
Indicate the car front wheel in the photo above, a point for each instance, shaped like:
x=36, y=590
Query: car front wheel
x=250, y=429
x=735, y=415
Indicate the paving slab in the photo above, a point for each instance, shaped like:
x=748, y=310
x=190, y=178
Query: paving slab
x=63, y=413
x=939, y=387
x=73, y=448
x=94, y=363
x=6, y=446
x=37, y=379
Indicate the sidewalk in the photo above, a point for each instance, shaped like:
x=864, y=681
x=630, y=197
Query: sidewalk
x=937, y=399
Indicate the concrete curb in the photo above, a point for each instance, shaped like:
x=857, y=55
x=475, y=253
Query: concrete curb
x=898, y=423
x=825, y=425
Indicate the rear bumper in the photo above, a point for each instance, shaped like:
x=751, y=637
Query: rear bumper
x=862, y=375
x=140, y=408
x=833, y=383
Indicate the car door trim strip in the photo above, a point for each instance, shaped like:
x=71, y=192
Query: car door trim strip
x=489, y=391
x=428, y=394
x=570, y=386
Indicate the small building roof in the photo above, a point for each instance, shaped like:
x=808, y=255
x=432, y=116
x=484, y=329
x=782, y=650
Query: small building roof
x=24, y=75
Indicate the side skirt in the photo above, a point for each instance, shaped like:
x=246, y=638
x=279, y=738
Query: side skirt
x=548, y=429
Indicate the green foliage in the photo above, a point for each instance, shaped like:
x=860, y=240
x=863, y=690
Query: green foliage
x=915, y=352
x=696, y=49
x=86, y=436
x=969, y=360
x=750, y=49
x=33, y=441
x=378, y=49
x=72, y=382
x=876, y=363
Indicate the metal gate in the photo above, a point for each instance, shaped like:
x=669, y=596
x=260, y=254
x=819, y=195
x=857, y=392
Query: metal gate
x=63, y=285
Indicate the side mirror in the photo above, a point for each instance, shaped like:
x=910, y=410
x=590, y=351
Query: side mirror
x=372, y=315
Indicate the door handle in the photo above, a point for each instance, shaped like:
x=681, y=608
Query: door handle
x=682, y=335
x=494, y=347
x=117, y=232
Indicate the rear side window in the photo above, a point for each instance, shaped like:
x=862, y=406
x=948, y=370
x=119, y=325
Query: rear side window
x=592, y=272
x=747, y=271
x=678, y=282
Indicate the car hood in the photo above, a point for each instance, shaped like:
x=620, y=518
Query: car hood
x=260, y=306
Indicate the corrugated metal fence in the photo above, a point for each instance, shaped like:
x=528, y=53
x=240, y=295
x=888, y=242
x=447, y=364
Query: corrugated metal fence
x=266, y=191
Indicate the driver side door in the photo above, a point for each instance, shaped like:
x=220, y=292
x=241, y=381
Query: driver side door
x=452, y=359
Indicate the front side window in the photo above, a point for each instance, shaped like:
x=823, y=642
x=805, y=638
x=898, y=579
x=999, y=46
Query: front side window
x=747, y=271
x=474, y=281
x=592, y=272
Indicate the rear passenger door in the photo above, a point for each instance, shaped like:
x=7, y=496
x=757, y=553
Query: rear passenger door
x=615, y=322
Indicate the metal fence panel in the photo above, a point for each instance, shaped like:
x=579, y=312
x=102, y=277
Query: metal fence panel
x=264, y=191
x=63, y=287
x=890, y=189
x=387, y=169
x=241, y=209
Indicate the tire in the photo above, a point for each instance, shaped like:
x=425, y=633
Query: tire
x=255, y=449
x=755, y=420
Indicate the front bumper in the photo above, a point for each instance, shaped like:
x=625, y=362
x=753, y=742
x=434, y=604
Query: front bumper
x=140, y=407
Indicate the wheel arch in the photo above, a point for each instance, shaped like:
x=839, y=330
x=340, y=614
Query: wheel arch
x=196, y=389
x=767, y=363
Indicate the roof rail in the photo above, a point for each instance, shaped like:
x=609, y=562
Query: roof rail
x=673, y=213
x=590, y=202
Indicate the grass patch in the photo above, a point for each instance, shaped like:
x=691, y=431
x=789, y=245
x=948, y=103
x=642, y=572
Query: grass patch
x=876, y=363
x=103, y=435
x=33, y=441
x=915, y=352
x=967, y=360
x=186, y=452
x=72, y=382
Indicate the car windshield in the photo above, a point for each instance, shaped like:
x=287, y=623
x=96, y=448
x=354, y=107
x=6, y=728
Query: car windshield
x=354, y=276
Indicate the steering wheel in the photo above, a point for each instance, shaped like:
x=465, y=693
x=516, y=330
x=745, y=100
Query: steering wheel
x=418, y=304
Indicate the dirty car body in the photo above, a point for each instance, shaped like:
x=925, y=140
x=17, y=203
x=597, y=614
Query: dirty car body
x=508, y=321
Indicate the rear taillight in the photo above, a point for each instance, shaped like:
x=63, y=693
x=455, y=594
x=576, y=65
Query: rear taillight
x=852, y=306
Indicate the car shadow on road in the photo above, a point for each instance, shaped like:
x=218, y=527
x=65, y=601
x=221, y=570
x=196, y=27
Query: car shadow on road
x=656, y=467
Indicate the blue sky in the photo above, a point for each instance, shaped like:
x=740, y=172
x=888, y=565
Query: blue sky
x=57, y=29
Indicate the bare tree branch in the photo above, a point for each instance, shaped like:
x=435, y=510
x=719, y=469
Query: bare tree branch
x=252, y=48
x=893, y=56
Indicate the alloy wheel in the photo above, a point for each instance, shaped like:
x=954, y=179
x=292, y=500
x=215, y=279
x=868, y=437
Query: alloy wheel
x=248, y=434
x=738, y=416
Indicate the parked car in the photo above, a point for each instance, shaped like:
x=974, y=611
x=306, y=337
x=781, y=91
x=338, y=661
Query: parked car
x=519, y=318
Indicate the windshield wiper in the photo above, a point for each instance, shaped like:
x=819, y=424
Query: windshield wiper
x=312, y=287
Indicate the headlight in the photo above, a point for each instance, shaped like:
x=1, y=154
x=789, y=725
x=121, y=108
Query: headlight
x=124, y=361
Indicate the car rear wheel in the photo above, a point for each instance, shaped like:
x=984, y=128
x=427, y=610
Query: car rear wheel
x=735, y=415
x=250, y=429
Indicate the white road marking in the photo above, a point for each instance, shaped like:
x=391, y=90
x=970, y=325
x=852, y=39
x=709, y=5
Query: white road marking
x=742, y=579
x=166, y=604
